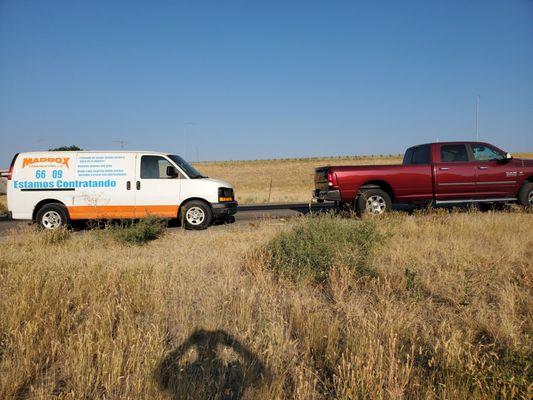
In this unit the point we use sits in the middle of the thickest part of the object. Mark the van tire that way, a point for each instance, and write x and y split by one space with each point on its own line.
382 202
196 215
525 196
52 216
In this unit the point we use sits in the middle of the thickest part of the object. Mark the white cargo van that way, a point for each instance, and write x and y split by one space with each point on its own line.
53 188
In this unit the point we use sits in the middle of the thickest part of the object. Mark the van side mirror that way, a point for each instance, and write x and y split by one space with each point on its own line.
172 171
508 156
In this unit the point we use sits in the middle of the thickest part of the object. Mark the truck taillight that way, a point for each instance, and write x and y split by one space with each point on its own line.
332 179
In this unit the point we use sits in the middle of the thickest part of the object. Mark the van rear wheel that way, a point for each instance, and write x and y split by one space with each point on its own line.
196 215
52 216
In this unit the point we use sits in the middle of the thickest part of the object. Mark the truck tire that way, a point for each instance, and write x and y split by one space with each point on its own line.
52 216
373 202
196 215
525 196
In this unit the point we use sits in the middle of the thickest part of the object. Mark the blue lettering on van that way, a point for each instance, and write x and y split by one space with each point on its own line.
64 184
33 185
86 184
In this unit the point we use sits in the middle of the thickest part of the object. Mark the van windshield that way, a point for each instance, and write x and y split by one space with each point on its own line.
192 172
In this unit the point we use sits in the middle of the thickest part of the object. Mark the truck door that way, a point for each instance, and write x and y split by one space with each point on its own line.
496 177
103 186
455 173
156 193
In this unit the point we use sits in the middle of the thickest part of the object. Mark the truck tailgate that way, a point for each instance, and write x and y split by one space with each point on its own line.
321 178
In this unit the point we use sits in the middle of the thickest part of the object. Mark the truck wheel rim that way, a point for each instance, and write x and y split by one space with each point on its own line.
195 215
376 204
530 198
51 220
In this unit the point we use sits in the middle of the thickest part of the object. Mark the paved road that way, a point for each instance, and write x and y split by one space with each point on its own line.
243 216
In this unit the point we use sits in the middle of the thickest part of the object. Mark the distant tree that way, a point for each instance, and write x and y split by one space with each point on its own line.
66 148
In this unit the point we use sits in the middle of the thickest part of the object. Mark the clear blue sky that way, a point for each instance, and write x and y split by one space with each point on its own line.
264 79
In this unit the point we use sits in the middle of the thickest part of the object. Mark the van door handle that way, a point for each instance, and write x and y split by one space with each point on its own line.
138 185
128 185
482 167
444 168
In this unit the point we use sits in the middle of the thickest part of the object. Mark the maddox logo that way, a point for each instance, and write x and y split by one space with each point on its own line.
42 160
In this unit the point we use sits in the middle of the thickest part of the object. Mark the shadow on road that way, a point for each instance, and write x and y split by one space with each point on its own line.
211 365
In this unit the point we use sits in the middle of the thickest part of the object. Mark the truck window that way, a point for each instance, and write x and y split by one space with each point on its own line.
485 153
407 156
453 153
417 155
420 155
154 167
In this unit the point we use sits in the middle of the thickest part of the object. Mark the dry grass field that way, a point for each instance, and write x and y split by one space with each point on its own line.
423 306
292 179
3 203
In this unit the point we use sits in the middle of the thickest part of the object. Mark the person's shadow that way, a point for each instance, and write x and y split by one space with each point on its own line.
210 365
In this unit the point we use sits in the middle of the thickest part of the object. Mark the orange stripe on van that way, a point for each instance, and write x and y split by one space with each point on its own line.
111 212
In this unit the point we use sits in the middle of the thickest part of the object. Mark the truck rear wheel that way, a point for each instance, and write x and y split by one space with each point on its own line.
196 215
373 202
525 196
52 216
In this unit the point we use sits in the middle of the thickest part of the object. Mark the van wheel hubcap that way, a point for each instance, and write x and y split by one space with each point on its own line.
195 215
51 220
376 204
530 198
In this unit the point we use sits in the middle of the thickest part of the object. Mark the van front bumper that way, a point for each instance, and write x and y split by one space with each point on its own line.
221 210
328 195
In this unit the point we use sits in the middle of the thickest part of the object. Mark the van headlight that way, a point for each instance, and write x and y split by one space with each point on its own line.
225 195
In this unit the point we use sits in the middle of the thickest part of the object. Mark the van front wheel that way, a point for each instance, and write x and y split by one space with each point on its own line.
52 216
196 215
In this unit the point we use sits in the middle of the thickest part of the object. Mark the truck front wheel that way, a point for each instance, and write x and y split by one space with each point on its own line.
373 201
525 196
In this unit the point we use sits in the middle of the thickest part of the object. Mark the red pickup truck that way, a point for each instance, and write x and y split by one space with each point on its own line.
440 173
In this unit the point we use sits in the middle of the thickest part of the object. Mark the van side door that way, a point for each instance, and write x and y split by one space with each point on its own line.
455 174
156 193
104 188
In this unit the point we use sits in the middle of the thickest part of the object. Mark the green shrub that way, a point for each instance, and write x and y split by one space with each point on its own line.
318 244
138 232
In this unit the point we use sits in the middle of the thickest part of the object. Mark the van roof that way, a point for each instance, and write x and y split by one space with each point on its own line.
97 151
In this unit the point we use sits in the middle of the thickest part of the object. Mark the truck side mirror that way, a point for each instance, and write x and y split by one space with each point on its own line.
508 156
172 171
